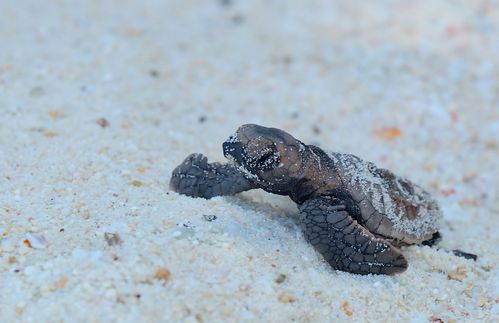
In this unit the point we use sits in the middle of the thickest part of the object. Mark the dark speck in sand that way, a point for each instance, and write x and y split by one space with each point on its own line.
226 3
103 123
286 59
209 217
238 19
36 92
112 239
280 279
154 73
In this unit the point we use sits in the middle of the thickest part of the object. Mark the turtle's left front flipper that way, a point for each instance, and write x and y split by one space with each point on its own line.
197 178
345 244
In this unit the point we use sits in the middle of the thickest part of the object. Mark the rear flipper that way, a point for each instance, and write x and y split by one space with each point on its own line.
197 178
465 255
344 243
437 237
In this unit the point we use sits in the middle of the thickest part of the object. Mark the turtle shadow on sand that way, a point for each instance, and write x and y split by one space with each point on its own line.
276 215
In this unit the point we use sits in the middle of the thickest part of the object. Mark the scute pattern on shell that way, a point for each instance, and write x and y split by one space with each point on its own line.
410 208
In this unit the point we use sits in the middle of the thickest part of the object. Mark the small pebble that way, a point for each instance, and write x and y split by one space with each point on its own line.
36 241
346 308
63 280
244 288
280 279
103 123
387 133
286 298
162 274
209 217
49 134
112 239
85 214
55 114
136 183
27 243
186 224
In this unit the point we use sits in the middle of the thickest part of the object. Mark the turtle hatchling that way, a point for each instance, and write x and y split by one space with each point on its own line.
355 214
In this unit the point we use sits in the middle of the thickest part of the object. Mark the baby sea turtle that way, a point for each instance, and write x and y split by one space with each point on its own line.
354 213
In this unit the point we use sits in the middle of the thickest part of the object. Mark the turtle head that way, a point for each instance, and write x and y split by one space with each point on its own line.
268 156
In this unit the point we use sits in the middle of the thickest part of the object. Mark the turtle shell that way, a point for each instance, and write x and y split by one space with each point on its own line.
390 206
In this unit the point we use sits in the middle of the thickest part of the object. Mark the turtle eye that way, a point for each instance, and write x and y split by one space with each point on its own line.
267 160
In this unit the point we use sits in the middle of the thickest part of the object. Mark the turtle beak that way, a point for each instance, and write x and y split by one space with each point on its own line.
233 149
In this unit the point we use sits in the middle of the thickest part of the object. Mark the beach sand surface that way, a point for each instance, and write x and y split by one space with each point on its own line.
99 101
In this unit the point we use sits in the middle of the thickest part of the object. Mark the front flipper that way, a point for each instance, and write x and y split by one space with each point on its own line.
198 178
345 244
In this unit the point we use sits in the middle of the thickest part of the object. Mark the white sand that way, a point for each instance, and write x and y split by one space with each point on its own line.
410 85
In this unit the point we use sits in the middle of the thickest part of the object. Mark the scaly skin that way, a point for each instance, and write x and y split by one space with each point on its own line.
344 243
197 178
340 215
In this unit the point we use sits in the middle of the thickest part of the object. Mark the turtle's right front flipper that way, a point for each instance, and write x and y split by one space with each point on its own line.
197 178
345 244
